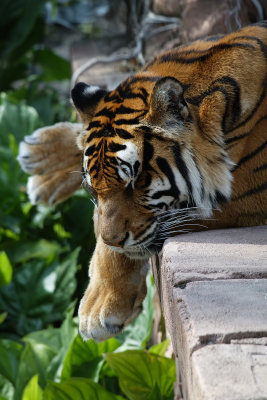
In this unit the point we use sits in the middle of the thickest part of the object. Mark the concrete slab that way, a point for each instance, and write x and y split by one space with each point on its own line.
227 371
213 287
213 312
220 311
217 254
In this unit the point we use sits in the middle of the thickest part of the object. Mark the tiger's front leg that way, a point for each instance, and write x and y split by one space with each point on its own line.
114 295
53 158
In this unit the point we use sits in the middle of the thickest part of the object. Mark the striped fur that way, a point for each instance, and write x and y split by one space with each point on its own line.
187 131
164 151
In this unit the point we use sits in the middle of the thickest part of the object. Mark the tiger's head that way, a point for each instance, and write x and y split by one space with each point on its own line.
151 156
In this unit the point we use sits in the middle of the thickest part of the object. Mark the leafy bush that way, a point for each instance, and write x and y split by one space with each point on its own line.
44 253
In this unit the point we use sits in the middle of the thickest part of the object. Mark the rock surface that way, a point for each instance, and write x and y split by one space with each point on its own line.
213 288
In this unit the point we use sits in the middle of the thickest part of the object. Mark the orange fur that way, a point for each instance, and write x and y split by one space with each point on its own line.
219 121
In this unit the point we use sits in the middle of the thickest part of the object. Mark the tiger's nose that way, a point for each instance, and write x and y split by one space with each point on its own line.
116 241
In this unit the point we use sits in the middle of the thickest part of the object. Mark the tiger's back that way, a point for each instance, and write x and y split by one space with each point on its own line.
243 73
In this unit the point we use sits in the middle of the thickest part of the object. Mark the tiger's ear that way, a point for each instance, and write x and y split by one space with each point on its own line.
168 109
85 99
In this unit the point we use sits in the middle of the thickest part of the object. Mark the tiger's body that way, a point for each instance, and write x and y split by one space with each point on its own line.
181 141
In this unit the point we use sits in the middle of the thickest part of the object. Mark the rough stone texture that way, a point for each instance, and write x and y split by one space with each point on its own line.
232 372
107 76
221 254
169 8
209 17
213 288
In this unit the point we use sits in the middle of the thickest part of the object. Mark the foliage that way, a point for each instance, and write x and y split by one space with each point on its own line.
44 252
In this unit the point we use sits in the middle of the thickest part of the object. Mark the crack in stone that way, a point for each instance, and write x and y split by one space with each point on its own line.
226 339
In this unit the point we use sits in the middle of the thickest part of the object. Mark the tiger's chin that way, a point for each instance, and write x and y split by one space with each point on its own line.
138 253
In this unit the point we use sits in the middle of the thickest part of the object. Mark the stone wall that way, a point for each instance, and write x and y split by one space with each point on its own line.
213 289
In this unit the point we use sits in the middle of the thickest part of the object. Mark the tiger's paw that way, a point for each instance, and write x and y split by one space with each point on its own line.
51 155
114 296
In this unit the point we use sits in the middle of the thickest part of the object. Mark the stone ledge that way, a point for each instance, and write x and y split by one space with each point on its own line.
228 371
213 289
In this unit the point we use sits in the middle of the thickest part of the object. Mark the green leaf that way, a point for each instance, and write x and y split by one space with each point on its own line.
5 269
55 342
77 389
137 334
85 359
33 391
139 372
18 119
156 395
51 290
27 250
160 348
7 389
54 67
22 20
44 353
9 361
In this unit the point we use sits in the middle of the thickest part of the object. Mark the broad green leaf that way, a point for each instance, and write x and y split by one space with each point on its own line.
51 288
27 250
44 353
48 59
137 334
5 269
77 389
139 372
18 119
160 348
10 357
33 361
156 395
85 358
32 391
22 20
7 389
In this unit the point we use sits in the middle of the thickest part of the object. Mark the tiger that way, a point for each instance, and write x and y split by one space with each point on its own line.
178 145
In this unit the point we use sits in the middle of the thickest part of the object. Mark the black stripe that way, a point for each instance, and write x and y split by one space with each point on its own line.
150 235
122 133
126 110
260 168
232 108
256 39
253 111
130 121
181 166
136 167
251 192
114 147
175 57
235 138
105 112
93 124
140 233
90 150
166 169
250 155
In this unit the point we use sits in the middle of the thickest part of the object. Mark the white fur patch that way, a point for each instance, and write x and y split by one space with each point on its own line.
88 179
130 156
89 90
